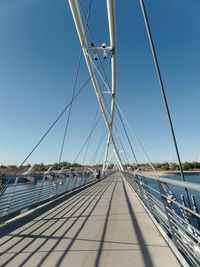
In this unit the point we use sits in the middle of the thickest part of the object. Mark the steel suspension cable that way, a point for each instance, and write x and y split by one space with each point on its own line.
104 72
107 108
127 136
132 150
88 143
120 141
57 119
127 139
70 107
106 81
136 138
102 153
50 128
75 82
91 132
157 67
102 136
107 85
124 151
132 131
92 38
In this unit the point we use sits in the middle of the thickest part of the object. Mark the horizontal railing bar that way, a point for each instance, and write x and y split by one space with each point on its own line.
178 218
183 207
184 235
151 188
22 197
188 185
18 202
27 189
161 207
188 254
187 248
175 222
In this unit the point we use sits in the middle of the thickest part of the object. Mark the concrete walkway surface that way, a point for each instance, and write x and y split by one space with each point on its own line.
103 225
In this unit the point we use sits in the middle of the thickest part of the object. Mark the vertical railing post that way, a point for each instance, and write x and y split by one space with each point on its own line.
82 176
146 188
136 186
75 182
92 178
41 188
67 183
84 179
57 184
12 196
166 207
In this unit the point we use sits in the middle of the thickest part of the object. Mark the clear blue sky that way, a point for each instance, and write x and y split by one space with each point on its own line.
39 49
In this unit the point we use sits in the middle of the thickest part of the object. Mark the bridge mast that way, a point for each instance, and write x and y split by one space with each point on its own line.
111 22
90 65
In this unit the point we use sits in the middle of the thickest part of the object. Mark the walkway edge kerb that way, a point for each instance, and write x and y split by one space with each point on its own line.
171 245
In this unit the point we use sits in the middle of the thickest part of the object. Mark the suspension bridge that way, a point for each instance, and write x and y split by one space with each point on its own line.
121 218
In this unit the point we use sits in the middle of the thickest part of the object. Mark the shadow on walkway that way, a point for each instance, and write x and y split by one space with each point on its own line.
97 261
15 224
146 256
81 199
80 206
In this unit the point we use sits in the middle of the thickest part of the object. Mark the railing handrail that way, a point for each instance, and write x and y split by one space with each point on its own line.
16 200
179 224
188 185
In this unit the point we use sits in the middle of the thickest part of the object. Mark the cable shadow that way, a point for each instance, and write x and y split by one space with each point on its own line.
146 256
93 196
12 226
97 261
84 239
96 189
30 217
59 263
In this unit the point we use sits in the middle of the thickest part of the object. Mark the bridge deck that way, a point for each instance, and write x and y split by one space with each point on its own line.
104 225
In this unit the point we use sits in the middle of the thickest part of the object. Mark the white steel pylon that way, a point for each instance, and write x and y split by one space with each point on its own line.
86 50
111 23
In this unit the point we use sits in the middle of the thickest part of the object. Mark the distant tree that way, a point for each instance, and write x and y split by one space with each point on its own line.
173 166
76 165
12 167
186 166
195 165
164 166
39 167
55 166
3 166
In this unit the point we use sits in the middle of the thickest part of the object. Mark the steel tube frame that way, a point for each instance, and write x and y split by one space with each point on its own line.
83 41
111 23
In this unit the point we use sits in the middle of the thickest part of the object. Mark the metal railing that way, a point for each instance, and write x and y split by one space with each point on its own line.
164 199
19 197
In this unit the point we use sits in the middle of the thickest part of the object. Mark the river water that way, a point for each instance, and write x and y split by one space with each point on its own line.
177 191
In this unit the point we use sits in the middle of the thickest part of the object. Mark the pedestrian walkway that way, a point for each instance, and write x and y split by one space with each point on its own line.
104 225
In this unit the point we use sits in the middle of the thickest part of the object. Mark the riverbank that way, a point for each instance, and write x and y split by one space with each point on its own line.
170 173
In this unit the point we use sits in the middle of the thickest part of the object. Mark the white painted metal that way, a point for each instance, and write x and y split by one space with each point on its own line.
81 34
100 48
111 22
